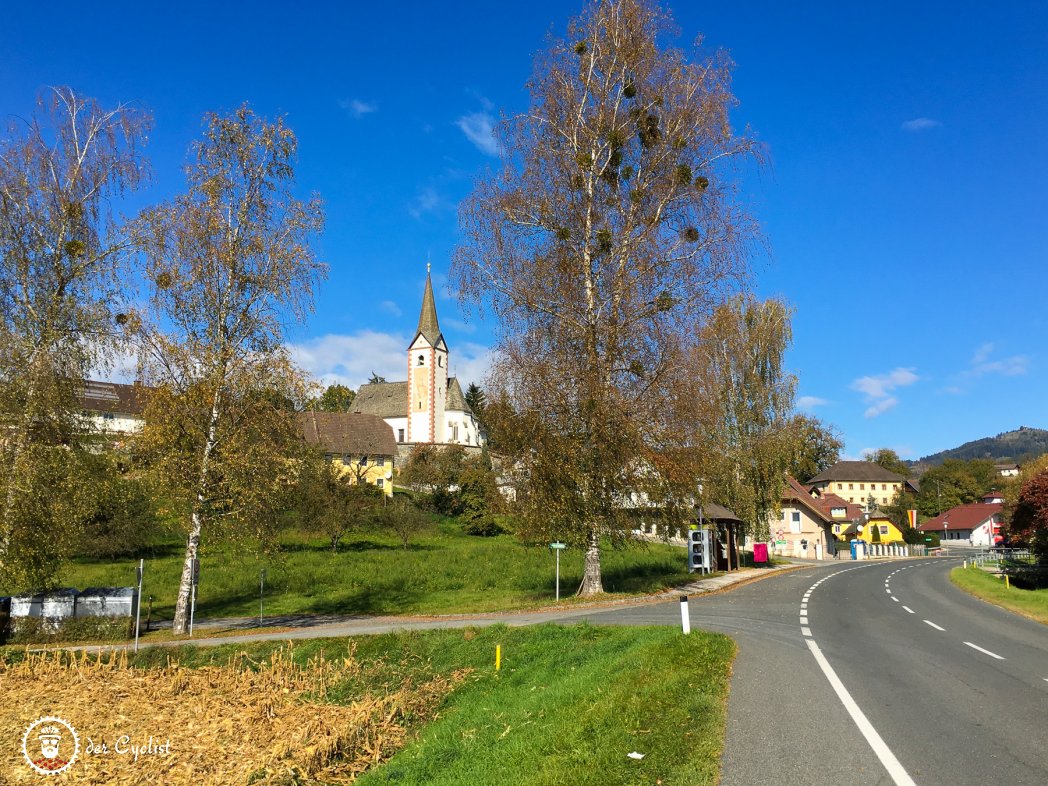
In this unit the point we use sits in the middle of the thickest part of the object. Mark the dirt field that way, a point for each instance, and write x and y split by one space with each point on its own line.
245 722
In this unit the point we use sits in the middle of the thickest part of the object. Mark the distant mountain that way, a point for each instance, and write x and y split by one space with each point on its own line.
1011 446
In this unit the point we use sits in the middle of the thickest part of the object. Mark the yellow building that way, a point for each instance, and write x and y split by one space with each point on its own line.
878 529
363 445
859 482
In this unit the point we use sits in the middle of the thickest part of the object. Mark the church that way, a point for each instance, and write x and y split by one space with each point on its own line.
429 407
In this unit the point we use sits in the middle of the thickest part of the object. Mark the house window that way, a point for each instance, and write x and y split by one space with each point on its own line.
380 461
796 516
422 360
795 521
862 487
884 529
884 487
840 487
851 487
364 460
440 361
379 482
400 435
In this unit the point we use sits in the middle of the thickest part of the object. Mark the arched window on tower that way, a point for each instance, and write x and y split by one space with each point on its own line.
440 361
422 360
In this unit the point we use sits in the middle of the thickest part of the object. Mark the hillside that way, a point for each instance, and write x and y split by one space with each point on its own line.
1011 446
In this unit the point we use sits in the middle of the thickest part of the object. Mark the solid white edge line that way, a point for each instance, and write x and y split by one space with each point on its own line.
891 764
929 622
909 610
984 652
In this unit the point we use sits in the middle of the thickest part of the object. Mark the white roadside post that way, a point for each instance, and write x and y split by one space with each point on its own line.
685 619
261 587
557 548
138 602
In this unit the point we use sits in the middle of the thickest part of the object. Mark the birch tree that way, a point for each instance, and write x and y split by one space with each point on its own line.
612 228
737 399
64 253
230 265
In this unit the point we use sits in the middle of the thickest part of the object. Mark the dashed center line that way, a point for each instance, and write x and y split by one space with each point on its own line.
984 652
929 622
909 610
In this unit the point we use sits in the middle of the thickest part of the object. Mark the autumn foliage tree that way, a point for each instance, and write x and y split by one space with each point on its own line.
611 229
229 263
64 255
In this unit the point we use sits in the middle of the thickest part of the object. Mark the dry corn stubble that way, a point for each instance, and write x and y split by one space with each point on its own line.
262 722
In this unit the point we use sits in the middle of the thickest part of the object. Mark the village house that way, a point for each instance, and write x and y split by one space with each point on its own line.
978 523
362 445
859 482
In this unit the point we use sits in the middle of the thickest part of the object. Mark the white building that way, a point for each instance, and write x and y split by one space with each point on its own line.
112 408
429 407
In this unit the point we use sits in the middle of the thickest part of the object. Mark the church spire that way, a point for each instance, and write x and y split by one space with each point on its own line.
427 320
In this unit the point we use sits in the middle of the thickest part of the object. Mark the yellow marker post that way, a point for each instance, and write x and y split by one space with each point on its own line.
1007 583
498 657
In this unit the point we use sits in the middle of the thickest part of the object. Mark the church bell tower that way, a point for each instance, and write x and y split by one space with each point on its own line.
427 375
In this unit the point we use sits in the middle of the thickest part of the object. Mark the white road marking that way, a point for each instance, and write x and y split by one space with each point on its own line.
891 764
806 631
909 609
984 652
888 591
929 622
804 620
895 599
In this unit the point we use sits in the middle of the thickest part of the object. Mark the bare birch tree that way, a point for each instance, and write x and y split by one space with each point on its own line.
612 228
63 252
229 264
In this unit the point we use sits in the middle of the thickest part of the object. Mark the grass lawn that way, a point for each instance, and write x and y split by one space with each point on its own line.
567 706
444 571
1029 603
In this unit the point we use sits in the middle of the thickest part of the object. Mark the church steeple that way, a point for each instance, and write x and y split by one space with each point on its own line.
427 319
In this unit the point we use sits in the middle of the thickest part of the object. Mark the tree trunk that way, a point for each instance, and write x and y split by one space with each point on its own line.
180 625
591 580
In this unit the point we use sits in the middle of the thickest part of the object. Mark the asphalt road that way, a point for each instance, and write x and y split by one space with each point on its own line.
848 673
954 690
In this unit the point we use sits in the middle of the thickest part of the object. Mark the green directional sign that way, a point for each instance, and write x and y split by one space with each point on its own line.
558 545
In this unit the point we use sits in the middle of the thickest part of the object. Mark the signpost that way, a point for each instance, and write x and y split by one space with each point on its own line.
557 548
261 587
138 604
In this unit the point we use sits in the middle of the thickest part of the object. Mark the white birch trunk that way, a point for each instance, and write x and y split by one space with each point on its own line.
180 624
592 583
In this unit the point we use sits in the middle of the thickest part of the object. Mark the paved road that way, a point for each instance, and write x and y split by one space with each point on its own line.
954 690
851 673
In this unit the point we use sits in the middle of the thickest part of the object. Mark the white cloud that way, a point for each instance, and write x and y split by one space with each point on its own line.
881 407
919 124
470 363
390 308
878 389
428 201
1013 366
982 352
357 108
479 128
808 403
351 359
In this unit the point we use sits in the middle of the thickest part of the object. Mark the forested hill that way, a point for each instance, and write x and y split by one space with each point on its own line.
1011 446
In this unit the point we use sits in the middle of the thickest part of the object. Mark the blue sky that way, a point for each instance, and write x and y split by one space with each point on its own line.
904 207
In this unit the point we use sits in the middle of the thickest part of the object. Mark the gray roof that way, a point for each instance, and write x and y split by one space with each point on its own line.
456 400
385 399
390 399
348 432
113 397
711 511
856 471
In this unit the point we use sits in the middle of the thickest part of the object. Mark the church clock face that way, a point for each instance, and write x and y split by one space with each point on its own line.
420 393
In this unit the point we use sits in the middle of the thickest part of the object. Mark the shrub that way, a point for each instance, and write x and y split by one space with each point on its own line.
40 630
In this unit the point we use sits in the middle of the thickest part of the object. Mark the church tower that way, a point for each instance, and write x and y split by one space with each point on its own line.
427 375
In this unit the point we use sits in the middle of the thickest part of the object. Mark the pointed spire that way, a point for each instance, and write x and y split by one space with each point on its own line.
427 320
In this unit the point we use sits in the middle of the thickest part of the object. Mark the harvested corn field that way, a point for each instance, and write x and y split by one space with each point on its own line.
267 722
